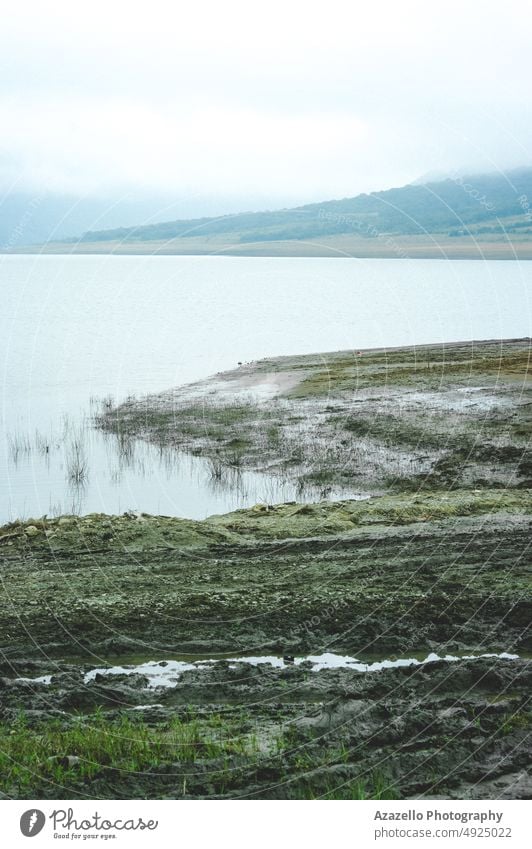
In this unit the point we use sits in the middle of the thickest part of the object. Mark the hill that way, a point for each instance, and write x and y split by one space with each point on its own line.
479 215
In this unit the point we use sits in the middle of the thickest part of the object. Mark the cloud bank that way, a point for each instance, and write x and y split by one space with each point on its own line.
286 102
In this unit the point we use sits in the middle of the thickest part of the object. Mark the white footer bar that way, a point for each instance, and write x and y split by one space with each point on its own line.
263 824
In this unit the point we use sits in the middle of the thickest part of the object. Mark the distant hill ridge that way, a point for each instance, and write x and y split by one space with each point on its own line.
454 206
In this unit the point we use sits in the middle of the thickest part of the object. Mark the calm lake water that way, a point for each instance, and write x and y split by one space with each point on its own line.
77 328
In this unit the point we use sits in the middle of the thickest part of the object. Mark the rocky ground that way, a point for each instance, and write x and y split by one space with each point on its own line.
436 562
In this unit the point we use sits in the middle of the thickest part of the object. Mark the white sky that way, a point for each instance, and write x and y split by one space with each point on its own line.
282 101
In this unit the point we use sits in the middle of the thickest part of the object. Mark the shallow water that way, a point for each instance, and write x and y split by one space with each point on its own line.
151 480
79 327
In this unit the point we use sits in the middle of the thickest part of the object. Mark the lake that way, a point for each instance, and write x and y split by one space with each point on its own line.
76 329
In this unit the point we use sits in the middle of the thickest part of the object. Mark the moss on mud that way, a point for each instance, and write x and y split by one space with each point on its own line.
392 572
130 532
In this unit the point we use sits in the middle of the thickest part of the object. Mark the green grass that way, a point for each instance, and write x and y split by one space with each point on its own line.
423 367
40 759
374 787
520 720
431 432
33 756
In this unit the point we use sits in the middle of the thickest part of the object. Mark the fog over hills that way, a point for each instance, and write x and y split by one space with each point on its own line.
454 205
492 206
40 216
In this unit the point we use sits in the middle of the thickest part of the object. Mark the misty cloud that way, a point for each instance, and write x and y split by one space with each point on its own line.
284 102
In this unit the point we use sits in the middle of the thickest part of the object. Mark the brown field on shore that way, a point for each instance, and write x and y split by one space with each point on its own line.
433 246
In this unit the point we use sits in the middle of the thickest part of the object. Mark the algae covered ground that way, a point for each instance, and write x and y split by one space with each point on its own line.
261 610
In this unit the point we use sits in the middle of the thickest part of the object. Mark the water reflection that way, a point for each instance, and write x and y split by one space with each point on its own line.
78 469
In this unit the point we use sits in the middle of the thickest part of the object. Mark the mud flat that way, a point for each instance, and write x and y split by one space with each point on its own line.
394 573
427 418
231 730
344 649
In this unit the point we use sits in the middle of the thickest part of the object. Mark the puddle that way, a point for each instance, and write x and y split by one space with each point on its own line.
166 673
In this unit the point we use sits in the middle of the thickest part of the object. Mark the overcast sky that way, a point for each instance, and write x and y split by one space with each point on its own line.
260 104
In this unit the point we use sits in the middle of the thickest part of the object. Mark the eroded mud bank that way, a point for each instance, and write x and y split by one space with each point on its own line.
437 572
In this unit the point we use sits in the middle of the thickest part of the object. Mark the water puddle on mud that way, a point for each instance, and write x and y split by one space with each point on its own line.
166 673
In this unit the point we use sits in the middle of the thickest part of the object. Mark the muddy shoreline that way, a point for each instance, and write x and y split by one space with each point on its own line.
434 417
435 561
355 576
360 577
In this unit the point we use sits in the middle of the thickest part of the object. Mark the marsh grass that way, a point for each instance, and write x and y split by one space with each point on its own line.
70 437
375 787
18 444
216 468
77 463
45 443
